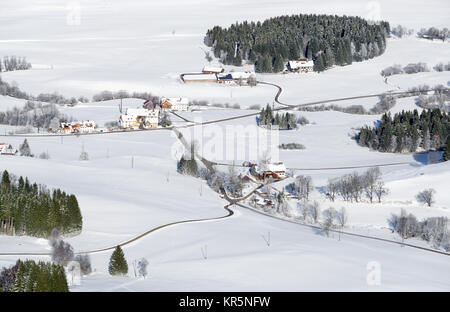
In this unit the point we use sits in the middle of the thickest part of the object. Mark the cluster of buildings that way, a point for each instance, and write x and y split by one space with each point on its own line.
217 75
7 149
81 127
150 115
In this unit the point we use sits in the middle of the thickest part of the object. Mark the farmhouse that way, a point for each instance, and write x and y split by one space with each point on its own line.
7 149
135 118
212 70
301 65
274 170
78 127
175 104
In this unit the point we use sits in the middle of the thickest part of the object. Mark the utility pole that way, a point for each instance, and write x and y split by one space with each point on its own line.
132 161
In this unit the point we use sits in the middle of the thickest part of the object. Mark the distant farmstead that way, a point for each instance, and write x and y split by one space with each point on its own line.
301 65
136 118
175 104
88 126
7 149
235 78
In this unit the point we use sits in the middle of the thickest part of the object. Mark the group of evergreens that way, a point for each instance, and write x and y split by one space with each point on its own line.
35 210
325 39
268 119
29 276
407 131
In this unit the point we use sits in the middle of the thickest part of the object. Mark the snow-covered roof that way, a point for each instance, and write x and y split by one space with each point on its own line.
274 167
200 77
243 75
213 69
175 101
137 111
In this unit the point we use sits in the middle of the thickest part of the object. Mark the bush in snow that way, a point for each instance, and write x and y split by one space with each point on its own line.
291 146
392 70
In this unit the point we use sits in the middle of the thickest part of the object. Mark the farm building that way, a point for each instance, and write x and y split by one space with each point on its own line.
301 65
199 77
78 127
175 104
135 118
7 149
274 170
235 77
212 70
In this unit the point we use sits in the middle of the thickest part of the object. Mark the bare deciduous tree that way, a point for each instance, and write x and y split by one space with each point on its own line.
380 190
426 197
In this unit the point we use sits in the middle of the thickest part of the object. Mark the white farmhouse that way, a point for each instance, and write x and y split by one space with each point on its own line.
7 149
276 170
134 118
301 65
175 104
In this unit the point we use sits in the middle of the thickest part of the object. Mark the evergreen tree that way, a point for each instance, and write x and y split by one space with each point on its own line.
278 64
117 263
446 154
25 149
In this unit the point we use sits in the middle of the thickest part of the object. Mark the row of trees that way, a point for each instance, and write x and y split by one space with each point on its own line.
326 39
34 114
13 90
434 230
434 33
10 63
35 210
385 103
407 131
123 94
412 68
354 187
285 121
401 31
31 276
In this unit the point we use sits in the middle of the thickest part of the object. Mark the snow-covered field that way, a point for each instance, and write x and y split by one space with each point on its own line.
130 183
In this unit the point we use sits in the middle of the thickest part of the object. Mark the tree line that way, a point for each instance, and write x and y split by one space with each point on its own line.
31 276
407 131
434 33
10 63
434 230
34 114
36 211
354 187
326 39
13 90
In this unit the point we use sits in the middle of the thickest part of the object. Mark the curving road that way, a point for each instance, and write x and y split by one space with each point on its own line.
210 164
